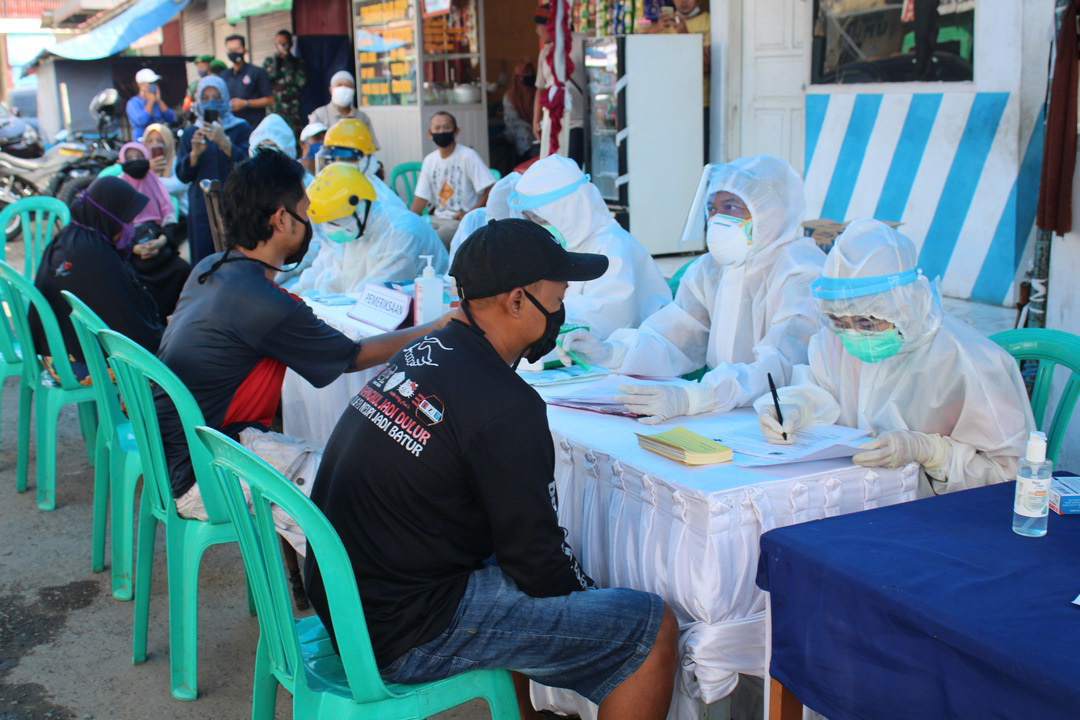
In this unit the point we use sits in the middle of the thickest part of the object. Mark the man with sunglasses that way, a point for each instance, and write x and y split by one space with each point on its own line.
889 361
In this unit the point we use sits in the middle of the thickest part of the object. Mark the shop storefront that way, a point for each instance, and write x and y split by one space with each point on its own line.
921 112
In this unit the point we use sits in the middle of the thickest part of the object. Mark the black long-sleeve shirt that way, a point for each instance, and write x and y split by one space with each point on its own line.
442 460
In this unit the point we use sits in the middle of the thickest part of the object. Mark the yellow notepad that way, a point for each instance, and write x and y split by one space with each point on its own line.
685 446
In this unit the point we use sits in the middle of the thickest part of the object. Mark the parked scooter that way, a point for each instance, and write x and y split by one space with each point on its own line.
65 168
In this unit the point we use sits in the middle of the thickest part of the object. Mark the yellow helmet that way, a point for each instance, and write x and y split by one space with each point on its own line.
336 192
350 133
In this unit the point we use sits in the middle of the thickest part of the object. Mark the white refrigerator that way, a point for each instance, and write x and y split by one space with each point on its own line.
646 117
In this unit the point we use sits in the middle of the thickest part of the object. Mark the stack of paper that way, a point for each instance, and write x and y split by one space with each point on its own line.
562 375
685 446
596 396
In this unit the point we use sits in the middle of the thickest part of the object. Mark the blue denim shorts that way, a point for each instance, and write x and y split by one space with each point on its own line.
588 641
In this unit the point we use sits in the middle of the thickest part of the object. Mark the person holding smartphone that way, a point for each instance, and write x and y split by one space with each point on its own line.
207 152
147 107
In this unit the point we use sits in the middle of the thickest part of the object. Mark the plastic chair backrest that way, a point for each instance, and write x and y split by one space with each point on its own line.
87 324
408 173
137 371
113 170
1051 348
495 174
261 549
39 216
20 295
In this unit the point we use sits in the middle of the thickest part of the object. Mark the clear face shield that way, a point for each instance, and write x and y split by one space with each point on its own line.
329 154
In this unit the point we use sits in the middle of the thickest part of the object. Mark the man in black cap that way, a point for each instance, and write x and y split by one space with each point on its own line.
445 461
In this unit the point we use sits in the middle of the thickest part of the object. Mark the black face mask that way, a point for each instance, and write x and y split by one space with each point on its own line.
529 80
236 57
136 168
546 342
297 256
443 139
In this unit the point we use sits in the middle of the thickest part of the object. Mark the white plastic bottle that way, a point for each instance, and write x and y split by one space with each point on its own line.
1032 503
429 295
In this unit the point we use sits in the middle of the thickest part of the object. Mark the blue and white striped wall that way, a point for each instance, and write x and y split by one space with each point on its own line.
952 167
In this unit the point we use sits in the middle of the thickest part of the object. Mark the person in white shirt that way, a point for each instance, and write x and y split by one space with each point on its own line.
453 178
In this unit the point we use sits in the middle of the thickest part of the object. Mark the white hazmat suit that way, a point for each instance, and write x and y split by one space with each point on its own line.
389 250
632 289
743 315
948 399
497 208
274 132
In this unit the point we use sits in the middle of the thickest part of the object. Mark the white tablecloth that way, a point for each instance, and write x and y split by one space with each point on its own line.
638 520
311 413
690 534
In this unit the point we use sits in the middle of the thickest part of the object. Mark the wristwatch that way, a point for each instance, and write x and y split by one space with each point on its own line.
246 103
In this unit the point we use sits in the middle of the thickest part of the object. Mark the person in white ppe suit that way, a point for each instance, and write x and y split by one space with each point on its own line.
274 133
368 241
743 309
497 208
556 194
931 389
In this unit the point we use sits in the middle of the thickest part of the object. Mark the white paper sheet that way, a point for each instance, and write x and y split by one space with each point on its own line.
813 442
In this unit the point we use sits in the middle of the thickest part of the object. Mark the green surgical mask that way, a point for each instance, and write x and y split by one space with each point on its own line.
872 348
340 236
555 233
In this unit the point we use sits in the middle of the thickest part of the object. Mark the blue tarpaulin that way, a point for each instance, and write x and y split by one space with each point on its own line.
118 34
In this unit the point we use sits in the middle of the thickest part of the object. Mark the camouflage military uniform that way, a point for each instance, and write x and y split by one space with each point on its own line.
287 76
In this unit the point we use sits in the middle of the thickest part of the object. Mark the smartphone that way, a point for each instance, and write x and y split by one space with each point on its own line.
210 115
667 10
157 151
152 89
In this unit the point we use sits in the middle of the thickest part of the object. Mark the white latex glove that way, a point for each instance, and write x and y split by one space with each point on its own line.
773 430
657 402
896 448
587 346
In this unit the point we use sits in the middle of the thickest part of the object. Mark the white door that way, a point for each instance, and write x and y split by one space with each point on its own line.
776 38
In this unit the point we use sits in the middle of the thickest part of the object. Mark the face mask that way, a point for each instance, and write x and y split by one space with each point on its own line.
728 239
342 96
136 168
297 256
546 342
555 234
872 348
236 57
314 148
443 139
344 230
203 73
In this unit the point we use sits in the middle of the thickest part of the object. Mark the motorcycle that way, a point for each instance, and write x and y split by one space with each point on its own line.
67 167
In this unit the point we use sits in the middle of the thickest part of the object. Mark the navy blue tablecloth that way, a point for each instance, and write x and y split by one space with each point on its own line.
928 609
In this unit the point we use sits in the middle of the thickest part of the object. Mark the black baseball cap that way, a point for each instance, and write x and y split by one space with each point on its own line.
508 254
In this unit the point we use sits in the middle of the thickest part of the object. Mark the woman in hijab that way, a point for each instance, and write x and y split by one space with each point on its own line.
159 140
517 110
208 153
89 259
155 253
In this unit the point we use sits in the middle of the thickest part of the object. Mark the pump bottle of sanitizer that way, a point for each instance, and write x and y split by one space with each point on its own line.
429 292
1032 503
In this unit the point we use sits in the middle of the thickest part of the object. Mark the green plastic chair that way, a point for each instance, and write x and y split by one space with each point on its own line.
38 216
11 358
1049 348
117 465
137 373
298 654
48 395
405 174
676 279
113 170
495 174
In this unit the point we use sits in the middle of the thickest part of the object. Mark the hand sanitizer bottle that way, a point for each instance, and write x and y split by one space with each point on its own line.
1032 503
429 295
